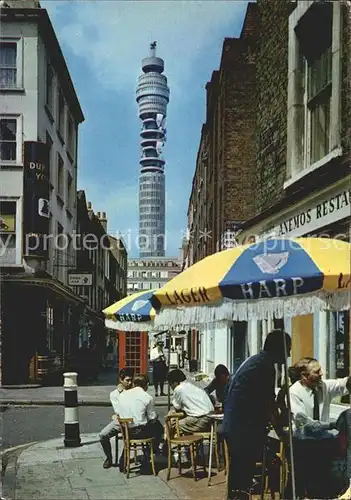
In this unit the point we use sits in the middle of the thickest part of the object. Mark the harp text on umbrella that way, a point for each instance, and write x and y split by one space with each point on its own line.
265 289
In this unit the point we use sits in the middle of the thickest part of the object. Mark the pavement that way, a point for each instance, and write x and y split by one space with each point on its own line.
87 395
47 470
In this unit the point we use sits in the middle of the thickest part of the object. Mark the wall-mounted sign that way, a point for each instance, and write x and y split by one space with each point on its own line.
305 218
36 193
80 279
7 222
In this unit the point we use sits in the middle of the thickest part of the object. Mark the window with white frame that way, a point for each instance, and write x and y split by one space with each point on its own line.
8 63
50 87
314 85
10 139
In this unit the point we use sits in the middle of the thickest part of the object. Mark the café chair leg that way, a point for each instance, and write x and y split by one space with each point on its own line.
152 460
180 460
203 455
169 462
218 466
127 451
193 461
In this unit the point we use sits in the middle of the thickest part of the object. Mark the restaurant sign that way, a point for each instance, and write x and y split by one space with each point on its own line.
314 215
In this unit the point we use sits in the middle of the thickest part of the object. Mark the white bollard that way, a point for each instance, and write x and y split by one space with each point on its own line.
72 434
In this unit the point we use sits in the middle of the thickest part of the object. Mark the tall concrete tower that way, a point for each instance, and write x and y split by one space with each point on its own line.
152 96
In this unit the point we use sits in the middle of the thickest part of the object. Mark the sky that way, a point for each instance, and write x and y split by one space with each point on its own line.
103 42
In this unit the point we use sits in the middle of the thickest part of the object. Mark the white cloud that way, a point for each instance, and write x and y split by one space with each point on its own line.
113 36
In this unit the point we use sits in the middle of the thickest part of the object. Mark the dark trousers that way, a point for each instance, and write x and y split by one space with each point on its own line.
244 451
313 468
153 429
159 374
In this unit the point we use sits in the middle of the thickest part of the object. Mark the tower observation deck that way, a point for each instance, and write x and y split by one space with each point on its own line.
152 96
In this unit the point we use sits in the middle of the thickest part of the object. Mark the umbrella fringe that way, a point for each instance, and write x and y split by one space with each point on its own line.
232 310
129 326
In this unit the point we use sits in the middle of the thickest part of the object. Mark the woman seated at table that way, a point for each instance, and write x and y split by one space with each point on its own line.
193 401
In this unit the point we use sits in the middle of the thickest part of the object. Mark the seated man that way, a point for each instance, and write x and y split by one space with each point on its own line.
219 383
139 405
310 406
112 429
311 396
191 400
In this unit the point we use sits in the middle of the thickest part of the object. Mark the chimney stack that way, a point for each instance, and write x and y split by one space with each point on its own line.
103 220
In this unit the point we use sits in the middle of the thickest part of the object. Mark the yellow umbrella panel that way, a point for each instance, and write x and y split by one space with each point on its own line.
272 278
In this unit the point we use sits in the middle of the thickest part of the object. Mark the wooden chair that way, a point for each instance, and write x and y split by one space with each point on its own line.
144 443
206 436
179 442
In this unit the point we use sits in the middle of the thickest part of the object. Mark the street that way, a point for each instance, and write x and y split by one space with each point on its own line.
37 423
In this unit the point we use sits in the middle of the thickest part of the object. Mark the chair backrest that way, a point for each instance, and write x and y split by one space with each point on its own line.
123 423
170 431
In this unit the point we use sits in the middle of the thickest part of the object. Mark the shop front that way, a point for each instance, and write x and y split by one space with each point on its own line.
40 330
327 214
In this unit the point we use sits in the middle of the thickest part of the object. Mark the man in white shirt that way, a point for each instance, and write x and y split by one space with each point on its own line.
139 405
311 396
159 367
313 444
112 429
193 401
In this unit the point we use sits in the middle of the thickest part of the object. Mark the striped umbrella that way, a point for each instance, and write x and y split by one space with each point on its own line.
273 278
133 313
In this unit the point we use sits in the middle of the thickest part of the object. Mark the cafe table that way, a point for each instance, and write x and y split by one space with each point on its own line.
215 418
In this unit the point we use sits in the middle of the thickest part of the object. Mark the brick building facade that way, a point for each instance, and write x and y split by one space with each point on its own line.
222 196
303 152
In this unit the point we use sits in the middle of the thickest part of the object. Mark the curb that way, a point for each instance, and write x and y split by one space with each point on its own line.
9 459
43 402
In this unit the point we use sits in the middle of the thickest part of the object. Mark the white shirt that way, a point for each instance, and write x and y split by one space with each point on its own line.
302 400
155 354
138 405
114 396
191 399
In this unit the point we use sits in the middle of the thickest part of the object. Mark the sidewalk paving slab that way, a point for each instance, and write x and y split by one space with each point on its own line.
94 395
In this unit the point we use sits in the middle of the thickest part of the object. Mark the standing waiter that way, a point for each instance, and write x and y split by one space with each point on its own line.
248 408
159 365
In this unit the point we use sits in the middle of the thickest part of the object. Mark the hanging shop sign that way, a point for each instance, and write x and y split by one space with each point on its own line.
36 194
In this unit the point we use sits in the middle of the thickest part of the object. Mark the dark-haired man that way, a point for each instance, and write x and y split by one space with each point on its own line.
112 429
219 383
139 405
193 401
248 408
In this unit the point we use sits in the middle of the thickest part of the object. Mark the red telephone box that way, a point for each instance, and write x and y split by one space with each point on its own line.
133 351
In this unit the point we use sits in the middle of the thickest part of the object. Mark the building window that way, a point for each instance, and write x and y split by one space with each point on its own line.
60 176
8 64
50 87
314 87
61 115
8 232
319 80
8 139
71 137
49 144
69 202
